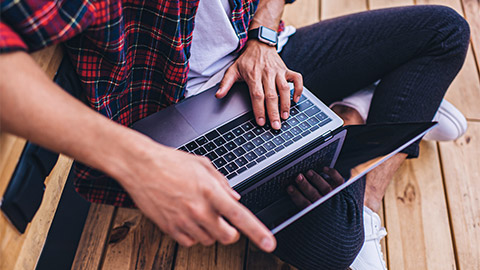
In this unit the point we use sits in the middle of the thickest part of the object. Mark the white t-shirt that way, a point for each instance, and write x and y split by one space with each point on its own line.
214 42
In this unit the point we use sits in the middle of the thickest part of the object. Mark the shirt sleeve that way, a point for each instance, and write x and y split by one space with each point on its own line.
32 25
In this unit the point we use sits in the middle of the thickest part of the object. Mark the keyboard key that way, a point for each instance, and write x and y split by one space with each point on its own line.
239 151
321 116
223 171
296 131
292 121
201 141
230 176
240 140
241 170
293 111
258 130
250 156
269 146
304 105
304 125
229 157
285 126
287 135
219 162
328 120
183 148
306 133
260 151
312 110
313 121
191 146
275 131
269 154
235 123
238 131
229 136
241 161
249 136
267 136
302 117
312 129
247 126
200 151
260 159
278 140
258 141
231 167
288 143
251 164
248 146
297 138
230 145
302 98
210 146
212 156
212 135
278 149
221 151
219 141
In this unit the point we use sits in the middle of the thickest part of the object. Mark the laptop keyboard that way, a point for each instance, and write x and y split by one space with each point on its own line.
241 144
274 189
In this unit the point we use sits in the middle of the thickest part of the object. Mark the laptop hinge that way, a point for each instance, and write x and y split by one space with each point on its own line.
327 136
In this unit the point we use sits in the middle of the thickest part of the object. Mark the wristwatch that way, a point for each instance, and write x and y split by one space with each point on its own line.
265 35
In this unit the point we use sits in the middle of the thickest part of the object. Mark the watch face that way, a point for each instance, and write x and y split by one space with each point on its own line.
268 34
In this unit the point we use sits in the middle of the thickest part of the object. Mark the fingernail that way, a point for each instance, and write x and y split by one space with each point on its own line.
290 189
297 98
309 173
236 195
261 121
300 178
326 169
285 115
276 124
267 244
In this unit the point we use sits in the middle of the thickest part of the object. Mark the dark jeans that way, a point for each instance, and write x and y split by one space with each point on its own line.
416 52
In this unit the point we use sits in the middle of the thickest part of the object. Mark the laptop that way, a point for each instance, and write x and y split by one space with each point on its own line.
258 162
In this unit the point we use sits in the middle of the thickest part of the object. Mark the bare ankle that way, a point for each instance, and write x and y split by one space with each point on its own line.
349 115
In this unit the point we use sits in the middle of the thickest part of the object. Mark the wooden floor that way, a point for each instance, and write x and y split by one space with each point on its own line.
431 211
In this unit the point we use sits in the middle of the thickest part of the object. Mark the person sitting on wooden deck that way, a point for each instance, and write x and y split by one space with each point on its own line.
134 58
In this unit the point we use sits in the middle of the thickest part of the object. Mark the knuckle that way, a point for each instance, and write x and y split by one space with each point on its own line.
271 96
257 94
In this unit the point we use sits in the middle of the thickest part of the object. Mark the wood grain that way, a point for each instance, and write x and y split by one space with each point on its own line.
94 237
302 13
331 9
136 243
416 215
472 14
21 251
461 166
376 4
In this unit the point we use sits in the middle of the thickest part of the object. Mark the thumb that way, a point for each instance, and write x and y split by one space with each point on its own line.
230 77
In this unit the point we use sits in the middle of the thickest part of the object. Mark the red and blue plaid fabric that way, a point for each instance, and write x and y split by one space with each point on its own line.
131 57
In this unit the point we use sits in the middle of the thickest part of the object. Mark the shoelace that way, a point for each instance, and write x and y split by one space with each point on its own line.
377 235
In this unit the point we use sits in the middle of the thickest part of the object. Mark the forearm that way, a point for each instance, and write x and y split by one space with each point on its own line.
269 13
33 107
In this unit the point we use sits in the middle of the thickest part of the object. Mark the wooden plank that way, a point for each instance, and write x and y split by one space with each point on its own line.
461 165
94 237
21 251
376 4
216 256
136 243
472 14
467 83
259 260
416 215
331 9
302 13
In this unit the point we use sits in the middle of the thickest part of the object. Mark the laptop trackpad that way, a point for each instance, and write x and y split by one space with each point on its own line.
179 130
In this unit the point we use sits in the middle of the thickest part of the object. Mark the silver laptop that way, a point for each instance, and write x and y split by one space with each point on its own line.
258 162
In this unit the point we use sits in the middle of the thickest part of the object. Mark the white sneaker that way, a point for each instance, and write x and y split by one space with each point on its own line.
371 256
451 122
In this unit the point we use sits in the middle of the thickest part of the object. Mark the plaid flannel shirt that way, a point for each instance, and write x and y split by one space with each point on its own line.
131 57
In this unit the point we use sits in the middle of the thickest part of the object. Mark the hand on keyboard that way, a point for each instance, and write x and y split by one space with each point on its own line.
312 186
